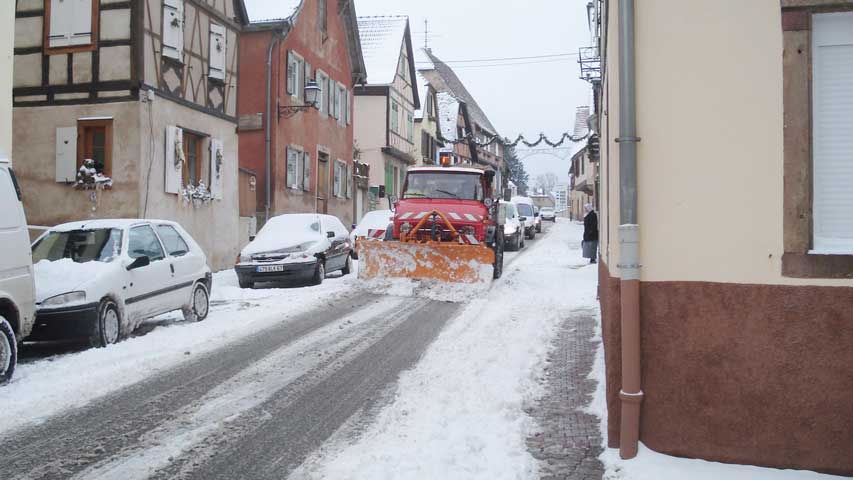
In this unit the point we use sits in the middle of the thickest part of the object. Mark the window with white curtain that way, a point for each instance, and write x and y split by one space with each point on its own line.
832 132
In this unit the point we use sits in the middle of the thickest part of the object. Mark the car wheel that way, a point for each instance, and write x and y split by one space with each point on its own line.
319 272
347 266
245 282
107 328
8 351
199 305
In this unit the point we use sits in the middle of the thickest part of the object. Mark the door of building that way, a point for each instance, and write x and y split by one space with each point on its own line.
322 182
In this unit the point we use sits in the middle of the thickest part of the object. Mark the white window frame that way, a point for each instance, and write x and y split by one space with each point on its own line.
293 170
340 106
295 75
306 171
323 83
338 185
832 143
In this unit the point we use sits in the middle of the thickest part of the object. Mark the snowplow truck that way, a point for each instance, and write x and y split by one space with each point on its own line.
447 226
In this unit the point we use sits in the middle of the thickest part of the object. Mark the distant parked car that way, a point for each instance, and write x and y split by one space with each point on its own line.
17 293
376 221
100 279
548 213
513 228
525 207
302 247
538 219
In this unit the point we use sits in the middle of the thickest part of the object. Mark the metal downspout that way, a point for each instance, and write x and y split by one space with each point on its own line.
277 36
631 394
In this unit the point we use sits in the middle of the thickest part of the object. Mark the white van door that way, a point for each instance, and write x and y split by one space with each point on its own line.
16 272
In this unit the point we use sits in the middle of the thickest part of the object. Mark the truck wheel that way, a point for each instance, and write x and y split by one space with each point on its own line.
107 328
8 351
319 272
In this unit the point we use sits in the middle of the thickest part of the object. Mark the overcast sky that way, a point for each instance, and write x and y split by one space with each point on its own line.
526 97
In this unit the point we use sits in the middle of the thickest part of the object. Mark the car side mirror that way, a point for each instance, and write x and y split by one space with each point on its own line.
251 238
139 262
330 234
536 214
522 219
353 226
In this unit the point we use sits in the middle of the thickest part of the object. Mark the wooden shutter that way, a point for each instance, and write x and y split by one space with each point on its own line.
173 29
217 168
66 154
61 21
348 180
832 61
349 107
81 22
217 52
292 74
174 159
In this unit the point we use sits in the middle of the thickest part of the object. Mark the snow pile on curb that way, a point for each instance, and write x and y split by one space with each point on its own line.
459 412
433 290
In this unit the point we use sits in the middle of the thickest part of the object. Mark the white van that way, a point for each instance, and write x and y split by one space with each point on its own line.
527 211
17 290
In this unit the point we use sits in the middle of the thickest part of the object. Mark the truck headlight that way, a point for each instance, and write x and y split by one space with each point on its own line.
65 298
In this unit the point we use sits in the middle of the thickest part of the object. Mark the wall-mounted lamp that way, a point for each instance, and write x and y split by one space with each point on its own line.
311 92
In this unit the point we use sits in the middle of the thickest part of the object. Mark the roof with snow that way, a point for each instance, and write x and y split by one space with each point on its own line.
448 112
262 11
381 41
423 87
444 79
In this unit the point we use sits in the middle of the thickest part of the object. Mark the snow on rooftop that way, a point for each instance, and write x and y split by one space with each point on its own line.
264 10
423 85
448 112
381 42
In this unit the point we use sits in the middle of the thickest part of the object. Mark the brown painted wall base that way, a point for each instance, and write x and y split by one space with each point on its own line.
753 374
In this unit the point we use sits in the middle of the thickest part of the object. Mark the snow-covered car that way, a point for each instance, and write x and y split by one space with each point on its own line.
374 222
17 302
513 228
298 246
99 279
525 207
548 213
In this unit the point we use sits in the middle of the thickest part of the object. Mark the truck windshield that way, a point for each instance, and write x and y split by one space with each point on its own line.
463 186
101 245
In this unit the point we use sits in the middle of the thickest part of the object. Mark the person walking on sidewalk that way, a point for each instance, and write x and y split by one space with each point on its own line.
590 234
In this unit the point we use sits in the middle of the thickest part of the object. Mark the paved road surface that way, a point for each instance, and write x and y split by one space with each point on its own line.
253 409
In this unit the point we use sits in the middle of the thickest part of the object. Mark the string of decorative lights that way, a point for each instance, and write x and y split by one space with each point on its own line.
520 139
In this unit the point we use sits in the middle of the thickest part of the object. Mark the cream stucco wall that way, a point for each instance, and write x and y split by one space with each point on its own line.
710 164
215 225
7 42
369 131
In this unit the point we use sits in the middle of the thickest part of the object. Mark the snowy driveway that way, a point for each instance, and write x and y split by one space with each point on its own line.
277 377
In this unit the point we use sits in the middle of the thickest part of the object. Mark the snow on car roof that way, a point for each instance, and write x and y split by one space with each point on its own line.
105 223
447 169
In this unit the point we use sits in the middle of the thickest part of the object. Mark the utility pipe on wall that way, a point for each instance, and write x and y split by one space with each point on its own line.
277 36
631 393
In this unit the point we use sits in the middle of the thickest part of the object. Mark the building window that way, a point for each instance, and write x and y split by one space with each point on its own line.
340 173
294 158
410 126
323 96
96 143
193 156
340 104
70 25
306 171
395 117
295 75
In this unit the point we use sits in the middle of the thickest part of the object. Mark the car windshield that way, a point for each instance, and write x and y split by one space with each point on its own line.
524 209
81 246
443 185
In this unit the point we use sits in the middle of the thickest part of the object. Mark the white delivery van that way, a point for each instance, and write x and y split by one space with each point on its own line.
527 212
17 290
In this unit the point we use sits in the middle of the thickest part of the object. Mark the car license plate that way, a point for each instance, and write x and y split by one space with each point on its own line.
269 268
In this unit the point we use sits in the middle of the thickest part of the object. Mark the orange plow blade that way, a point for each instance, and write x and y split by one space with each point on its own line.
440 261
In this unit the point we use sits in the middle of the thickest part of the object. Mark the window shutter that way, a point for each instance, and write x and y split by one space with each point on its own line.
306 172
217 52
217 168
173 29
348 181
81 22
66 154
349 107
61 23
174 159
307 76
832 136
324 93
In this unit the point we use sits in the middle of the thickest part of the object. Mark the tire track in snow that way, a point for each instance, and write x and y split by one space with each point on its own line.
71 442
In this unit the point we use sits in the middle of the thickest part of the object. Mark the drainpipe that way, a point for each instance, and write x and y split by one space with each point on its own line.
277 36
631 394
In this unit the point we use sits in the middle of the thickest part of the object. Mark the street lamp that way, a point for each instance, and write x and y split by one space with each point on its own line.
311 91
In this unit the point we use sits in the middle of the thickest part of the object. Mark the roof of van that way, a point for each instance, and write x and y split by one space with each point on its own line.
105 223
520 199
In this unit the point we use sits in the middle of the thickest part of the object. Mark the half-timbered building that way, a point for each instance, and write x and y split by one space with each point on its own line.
147 90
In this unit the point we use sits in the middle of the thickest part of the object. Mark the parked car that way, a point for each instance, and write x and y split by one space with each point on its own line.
17 291
513 228
99 279
538 219
377 221
525 206
302 247
548 213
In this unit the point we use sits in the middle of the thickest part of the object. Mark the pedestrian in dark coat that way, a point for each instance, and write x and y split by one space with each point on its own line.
590 234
